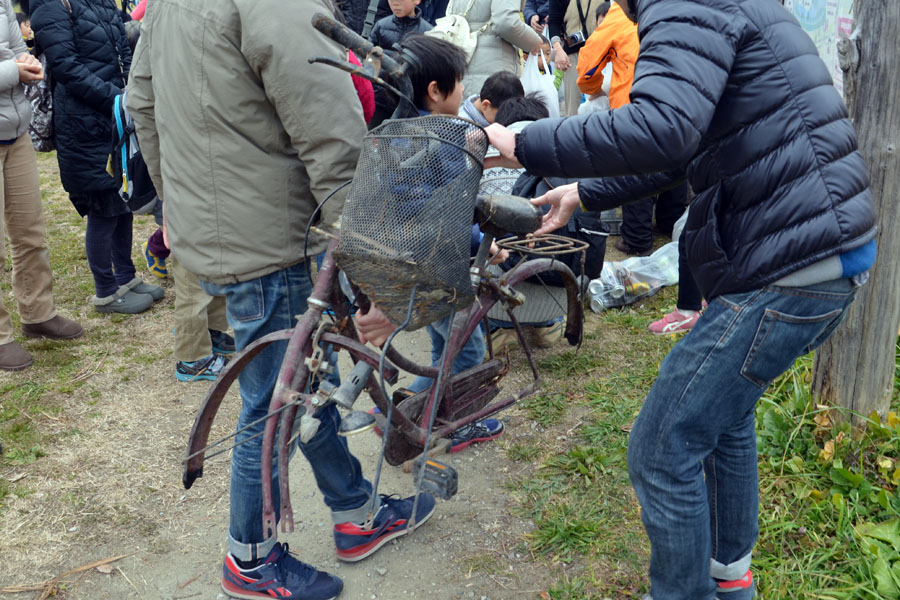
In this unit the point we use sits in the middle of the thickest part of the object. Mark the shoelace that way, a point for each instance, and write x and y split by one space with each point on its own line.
291 570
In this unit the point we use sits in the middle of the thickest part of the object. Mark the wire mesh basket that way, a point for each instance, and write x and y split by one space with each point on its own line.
407 221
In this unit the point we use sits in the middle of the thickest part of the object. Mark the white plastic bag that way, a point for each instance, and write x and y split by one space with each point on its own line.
599 104
625 282
541 83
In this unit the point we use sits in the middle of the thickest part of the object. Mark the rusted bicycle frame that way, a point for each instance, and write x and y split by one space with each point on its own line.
455 400
462 398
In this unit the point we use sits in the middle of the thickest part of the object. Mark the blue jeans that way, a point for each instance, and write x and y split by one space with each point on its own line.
692 451
256 308
471 354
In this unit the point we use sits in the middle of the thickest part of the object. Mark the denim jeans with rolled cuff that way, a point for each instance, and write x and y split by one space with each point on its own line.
471 354
255 308
692 452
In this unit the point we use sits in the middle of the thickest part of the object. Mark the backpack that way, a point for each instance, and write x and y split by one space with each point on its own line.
127 163
455 29
583 226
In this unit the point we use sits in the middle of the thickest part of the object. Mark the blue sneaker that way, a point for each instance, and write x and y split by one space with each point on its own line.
279 576
222 343
354 542
155 264
205 369
479 431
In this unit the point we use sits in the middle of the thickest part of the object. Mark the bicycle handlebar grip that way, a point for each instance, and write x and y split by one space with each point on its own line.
350 39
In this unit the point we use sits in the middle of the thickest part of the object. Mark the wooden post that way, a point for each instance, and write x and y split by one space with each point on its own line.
855 367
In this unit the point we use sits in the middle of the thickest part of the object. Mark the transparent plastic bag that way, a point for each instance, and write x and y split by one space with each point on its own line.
624 282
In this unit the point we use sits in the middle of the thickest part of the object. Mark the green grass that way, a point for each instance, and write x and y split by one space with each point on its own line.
829 502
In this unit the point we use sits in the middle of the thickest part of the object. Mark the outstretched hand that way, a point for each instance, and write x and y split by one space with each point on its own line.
563 201
504 141
373 327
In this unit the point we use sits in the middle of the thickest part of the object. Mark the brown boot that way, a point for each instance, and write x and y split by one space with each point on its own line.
13 357
57 328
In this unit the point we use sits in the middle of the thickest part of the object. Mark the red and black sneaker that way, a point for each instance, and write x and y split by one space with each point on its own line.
280 575
736 589
356 542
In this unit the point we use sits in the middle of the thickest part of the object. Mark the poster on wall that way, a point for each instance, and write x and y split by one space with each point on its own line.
826 21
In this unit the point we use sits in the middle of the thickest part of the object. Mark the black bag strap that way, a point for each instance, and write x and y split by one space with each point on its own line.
581 17
370 18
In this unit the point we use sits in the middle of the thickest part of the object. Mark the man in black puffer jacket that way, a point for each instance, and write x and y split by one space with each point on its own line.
732 95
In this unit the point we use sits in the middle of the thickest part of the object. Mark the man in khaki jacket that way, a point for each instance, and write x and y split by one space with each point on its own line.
243 139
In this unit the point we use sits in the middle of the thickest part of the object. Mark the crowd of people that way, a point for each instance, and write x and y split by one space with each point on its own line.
723 100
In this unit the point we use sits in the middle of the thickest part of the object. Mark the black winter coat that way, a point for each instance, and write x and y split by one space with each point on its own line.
89 58
391 30
354 12
733 94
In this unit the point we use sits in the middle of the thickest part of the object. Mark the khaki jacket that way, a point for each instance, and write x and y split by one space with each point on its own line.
242 136
499 44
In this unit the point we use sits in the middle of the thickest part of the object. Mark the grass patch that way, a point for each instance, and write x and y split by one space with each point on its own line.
829 501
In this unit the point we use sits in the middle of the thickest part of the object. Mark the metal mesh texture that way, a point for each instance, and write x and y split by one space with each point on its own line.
408 216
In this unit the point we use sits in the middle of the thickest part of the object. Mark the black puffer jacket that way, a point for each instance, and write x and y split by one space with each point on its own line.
355 11
89 58
390 30
734 94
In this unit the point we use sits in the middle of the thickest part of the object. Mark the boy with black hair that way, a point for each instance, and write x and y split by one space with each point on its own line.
497 89
526 108
436 69
406 20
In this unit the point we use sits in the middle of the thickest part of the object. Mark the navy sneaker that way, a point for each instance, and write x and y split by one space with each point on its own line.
355 542
479 431
222 343
279 576
205 369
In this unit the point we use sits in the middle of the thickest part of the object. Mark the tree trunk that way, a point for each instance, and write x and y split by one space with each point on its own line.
855 367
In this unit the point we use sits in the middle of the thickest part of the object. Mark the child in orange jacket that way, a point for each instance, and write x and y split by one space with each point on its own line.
616 40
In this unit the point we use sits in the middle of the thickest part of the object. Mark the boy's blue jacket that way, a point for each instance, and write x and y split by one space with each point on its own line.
541 8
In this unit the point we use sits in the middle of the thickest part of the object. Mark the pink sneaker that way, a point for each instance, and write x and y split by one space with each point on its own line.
674 322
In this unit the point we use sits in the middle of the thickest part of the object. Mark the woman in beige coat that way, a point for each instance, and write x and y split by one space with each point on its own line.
503 33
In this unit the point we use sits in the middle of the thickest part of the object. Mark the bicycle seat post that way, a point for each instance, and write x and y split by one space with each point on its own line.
481 258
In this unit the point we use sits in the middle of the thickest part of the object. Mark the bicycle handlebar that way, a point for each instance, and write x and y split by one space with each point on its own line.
350 39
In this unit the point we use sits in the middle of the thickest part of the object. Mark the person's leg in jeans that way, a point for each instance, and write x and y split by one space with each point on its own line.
637 226
743 342
470 355
256 308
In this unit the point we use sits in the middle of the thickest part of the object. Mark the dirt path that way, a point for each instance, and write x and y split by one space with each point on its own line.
110 485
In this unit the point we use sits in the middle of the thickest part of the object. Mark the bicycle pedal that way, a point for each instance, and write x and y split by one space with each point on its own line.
440 480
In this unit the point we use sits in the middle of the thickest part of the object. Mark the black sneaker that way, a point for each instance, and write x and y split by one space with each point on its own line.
279 576
479 431
204 369
222 343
